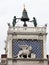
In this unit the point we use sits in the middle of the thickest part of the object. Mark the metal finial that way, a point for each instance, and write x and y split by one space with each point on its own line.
24 6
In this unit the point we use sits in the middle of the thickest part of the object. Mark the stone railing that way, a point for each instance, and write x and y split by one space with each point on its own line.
27 62
27 29
14 61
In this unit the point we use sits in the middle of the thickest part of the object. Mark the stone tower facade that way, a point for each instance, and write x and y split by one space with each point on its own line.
26 45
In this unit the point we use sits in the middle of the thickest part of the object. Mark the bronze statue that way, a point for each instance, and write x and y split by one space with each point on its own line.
34 21
14 21
9 24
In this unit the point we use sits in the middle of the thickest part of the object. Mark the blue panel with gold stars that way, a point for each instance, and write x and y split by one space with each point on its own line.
37 46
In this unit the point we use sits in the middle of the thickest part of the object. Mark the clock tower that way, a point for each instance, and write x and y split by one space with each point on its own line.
27 43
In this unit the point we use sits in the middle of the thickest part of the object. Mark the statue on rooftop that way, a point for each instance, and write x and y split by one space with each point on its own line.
34 21
14 21
8 24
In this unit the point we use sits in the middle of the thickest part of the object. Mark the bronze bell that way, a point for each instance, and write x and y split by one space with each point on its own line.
24 17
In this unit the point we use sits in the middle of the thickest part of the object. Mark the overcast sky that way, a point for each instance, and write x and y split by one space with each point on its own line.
11 8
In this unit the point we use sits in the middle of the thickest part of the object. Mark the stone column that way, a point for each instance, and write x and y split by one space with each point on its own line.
9 54
44 46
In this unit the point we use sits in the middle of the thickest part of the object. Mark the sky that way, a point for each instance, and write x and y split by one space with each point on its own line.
11 8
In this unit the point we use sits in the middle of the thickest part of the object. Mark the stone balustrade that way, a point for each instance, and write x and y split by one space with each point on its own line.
27 30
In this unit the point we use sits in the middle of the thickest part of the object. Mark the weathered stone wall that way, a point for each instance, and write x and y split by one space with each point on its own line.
27 62
38 33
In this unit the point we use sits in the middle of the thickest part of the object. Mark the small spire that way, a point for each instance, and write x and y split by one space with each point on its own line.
24 6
